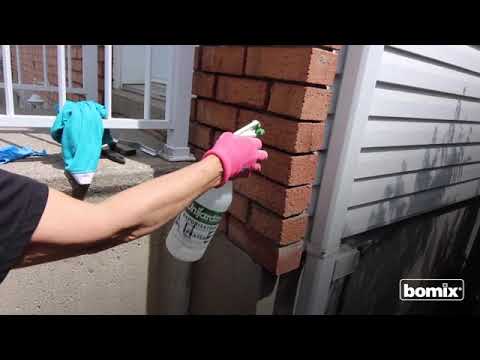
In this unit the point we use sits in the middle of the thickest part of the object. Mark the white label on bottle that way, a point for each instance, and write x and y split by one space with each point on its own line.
197 225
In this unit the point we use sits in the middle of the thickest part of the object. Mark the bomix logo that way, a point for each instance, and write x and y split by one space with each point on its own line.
432 289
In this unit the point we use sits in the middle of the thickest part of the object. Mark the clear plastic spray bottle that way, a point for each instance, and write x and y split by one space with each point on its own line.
195 227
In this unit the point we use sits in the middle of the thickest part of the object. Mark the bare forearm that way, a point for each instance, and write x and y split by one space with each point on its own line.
70 227
144 208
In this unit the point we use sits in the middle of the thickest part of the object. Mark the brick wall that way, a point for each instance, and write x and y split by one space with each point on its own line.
31 63
288 90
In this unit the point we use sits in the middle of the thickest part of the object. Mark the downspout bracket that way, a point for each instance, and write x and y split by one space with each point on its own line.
346 259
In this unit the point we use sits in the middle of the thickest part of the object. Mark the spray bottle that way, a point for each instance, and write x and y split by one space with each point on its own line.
195 227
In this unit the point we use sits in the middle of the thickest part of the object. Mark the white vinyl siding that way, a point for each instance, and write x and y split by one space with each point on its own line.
421 146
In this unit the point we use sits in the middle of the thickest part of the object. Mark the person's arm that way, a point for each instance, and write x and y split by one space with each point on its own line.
69 227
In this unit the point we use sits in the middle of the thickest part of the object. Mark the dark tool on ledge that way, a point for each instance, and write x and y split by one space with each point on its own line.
137 146
108 153
116 152
123 149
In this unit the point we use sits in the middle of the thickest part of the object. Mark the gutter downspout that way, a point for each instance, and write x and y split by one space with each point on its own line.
351 117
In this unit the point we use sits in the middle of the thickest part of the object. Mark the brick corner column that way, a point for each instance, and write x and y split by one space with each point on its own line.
288 89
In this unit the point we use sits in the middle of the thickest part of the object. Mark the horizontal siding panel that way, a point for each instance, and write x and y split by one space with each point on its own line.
371 190
371 216
396 103
403 70
462 56
384 133
377 163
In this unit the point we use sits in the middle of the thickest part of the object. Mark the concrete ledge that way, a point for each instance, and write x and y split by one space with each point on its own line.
136 278
110 177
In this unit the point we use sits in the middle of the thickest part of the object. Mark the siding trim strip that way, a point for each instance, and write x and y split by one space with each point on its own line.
354 102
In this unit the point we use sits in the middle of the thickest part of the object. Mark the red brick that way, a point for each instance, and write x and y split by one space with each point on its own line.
200 135
223 227
289 135
76 52
280 199
74 97
197 152
289 169
76 76
52 79
239 207
203 84
216 135
51 50
217 115
193 110
336 47
223 59
304 64
76 65
276 228
241 91
196 58
319 141
277 260
301 102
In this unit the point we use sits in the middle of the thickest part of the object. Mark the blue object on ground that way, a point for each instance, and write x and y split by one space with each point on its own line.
12 153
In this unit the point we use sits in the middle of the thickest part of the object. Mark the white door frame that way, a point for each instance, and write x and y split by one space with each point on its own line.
360 75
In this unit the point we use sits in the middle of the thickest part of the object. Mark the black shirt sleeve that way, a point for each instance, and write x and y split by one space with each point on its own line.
22 202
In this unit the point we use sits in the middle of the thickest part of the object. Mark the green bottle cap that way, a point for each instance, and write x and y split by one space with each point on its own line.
259 131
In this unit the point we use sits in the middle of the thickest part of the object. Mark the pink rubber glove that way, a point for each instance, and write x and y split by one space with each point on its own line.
237 154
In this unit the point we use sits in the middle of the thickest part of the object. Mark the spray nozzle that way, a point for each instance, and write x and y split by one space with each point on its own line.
253 129
259 131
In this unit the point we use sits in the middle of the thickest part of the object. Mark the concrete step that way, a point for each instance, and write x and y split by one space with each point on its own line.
130 279
110 177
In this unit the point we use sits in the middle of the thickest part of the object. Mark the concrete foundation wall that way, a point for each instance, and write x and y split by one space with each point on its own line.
143 278
227 281
132 279
435 245
112 282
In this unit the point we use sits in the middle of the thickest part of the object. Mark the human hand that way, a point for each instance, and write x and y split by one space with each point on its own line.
239 155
